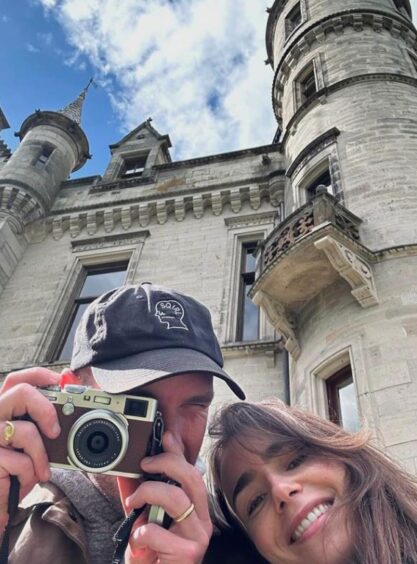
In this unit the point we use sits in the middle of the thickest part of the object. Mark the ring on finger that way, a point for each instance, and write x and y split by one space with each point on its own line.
8 432
185 514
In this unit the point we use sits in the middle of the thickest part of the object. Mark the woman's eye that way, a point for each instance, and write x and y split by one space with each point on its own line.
255 503
297 461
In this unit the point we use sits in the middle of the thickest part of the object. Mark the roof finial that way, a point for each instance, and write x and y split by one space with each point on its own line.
73 109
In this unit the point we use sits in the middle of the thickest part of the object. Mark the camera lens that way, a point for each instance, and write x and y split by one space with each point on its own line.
98 441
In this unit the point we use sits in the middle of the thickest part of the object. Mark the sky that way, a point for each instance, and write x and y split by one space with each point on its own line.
195 66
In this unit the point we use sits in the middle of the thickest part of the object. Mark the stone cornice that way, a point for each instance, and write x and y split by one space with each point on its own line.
253 347
317 96
321 23
251 219
274 147
109 240
141 213
82 180
358 19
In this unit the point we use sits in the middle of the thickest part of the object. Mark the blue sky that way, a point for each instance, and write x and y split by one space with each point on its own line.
195 66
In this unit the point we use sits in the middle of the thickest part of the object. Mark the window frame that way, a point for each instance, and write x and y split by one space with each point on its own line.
43 156
245 278
77 300
290 25
242 230
333 385
85 253
137 171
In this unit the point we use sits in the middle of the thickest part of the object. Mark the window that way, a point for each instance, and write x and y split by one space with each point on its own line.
42 159
248 316
293 20
134 166
97 281
308 85
323 179
341 398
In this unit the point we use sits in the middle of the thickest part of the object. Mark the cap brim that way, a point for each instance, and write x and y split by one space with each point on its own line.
124 374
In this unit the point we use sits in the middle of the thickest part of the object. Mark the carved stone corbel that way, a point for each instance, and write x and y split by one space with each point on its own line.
354 269
281 320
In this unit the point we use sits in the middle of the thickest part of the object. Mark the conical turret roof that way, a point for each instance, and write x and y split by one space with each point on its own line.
74 109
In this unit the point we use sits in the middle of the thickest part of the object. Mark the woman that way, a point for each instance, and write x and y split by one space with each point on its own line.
307 492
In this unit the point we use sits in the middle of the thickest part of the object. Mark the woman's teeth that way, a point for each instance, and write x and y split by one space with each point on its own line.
309 519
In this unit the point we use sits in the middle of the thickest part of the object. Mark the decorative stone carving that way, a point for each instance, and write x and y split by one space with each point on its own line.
216 203
255 197
198 206
74 226
235 200
355 270
108 221
143 214
91 223
161 212
179 209
281 320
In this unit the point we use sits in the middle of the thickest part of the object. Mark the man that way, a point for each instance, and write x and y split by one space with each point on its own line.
145 340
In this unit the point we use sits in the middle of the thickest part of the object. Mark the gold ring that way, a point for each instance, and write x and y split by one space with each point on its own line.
8 432
184 515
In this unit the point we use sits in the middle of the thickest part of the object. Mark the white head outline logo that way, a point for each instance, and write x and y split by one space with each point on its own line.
171 313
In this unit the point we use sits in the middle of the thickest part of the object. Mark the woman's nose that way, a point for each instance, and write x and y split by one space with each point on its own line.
283 489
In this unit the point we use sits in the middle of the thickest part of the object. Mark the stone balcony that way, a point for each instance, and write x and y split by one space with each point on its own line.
303 256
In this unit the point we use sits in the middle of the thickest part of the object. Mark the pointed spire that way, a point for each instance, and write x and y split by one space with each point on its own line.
74 109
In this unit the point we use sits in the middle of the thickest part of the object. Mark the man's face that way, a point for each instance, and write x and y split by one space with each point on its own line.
184 401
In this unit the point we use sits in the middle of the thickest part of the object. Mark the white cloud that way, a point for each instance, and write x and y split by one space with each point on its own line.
31 48
195 66
4 18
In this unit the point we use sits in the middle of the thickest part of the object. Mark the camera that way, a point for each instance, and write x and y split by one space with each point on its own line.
101 432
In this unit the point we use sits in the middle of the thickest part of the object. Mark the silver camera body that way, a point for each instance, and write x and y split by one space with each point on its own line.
101 432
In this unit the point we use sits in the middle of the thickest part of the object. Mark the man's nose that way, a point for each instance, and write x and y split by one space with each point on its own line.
283 489
173 424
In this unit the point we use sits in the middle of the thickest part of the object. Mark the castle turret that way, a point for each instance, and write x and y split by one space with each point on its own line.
52 146
337 277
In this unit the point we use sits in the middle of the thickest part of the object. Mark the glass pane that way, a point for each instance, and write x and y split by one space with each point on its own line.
349 408
250 263
250 320
66 351
98 283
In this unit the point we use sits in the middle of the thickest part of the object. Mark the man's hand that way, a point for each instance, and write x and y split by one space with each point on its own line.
24 455
184 542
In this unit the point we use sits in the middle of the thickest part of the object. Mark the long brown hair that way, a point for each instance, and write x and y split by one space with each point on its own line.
381 497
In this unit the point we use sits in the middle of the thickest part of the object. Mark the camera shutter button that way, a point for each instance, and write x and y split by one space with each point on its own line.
68 408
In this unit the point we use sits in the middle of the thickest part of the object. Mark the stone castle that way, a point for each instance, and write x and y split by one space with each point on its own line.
305 250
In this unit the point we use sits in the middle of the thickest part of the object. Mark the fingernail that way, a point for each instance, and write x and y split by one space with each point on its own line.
47 475
137 533
146 460
56 429
128 501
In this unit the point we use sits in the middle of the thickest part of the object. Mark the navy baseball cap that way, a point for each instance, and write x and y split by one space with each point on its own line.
134 335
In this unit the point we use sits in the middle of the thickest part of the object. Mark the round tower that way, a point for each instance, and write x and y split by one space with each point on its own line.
52 146
338 276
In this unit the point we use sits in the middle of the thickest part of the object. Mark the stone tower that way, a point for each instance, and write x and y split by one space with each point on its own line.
52 146
338 276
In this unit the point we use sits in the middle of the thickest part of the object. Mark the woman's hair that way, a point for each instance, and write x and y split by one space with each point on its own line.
381 497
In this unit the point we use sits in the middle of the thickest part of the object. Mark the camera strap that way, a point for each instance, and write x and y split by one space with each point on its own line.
12 505
122 535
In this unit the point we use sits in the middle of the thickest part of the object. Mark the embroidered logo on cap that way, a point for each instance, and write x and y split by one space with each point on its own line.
170 312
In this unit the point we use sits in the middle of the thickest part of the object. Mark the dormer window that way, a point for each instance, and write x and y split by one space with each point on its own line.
134 166
293 20
43 157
